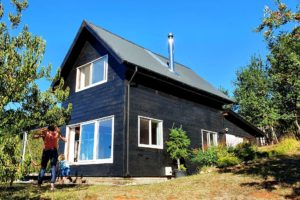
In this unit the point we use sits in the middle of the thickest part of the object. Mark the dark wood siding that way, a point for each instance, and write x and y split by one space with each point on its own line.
150 99
96 102
237 129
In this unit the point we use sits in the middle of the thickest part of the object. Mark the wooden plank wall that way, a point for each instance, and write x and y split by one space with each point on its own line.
100 101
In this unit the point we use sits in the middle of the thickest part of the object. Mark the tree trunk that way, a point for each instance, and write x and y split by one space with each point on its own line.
178 163
274 136
297 125
11 181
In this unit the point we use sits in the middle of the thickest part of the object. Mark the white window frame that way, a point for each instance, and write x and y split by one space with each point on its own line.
215 137
91 64
96 135
160 124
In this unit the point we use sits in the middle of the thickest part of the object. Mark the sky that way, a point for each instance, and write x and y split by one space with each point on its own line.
214 38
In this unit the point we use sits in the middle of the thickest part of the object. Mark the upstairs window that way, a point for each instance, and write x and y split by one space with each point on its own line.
150 133
92 73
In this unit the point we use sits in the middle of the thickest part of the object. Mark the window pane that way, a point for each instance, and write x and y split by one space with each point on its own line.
105 139
205 140
215 141
211 139
154 132
87 142
144 131
98 70
84 76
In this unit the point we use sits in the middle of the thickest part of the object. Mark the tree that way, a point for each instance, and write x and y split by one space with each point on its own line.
284 59
285 75
253 96
23 105
178 144
226 92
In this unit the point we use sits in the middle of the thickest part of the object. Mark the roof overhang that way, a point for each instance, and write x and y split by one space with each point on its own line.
229 114
87 28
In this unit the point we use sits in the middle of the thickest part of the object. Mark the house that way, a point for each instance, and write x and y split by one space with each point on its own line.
126 98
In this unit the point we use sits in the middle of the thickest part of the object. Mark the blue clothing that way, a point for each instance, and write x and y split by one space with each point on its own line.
50 154
64 168
65 172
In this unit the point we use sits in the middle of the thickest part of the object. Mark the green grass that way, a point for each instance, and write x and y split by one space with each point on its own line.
287 146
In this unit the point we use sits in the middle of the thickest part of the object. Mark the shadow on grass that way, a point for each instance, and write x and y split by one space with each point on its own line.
30 191
281 171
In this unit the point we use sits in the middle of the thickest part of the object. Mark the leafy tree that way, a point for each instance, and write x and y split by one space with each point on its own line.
227 93
23 105
178 144
253 96
284 59
10 165
285 75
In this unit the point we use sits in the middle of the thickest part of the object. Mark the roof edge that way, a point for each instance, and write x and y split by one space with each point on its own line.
240 118
85 24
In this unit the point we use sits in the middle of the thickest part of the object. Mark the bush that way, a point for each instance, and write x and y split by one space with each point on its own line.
228 161
245 152
205 158
34 151
10 158
177 145
286 145
214 156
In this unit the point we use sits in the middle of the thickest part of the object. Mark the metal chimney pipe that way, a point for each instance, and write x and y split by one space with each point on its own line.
171 52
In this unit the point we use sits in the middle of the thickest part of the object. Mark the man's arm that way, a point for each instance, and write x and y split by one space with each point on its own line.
60 136
40 134
63 138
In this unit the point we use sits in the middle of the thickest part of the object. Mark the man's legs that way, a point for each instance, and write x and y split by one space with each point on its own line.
45 159
54 156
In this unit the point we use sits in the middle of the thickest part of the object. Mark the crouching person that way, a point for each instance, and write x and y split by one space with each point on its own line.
64 169
51 135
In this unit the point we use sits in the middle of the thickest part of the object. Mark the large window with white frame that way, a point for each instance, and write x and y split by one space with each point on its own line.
209 138
92 73
90 142
150 132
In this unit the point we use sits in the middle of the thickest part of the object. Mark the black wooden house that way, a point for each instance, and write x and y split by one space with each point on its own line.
126 98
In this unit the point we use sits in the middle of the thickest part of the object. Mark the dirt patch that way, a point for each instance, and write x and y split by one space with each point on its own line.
264 195
90 197
123 197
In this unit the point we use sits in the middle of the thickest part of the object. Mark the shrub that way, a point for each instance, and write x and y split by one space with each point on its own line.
245 152
177 145
182 168
286 145
228 161
10 158
205 158
264 154
34 149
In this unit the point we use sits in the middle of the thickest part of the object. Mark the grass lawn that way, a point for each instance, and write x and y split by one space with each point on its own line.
272 178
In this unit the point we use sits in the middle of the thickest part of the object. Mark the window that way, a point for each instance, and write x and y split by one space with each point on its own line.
232 140
209 138
91 142
92 73
150 133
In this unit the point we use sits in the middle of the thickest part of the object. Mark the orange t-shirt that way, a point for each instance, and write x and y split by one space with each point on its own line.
50 140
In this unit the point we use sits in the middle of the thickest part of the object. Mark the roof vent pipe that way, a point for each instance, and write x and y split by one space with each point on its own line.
171 52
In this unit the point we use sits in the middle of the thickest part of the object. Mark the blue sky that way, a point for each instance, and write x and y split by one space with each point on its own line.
214 38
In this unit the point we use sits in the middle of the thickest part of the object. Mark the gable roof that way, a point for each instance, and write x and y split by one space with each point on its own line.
126 51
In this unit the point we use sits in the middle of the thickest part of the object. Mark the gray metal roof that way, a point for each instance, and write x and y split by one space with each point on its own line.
132 53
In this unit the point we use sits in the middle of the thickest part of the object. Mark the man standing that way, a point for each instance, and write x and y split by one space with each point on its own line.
50 137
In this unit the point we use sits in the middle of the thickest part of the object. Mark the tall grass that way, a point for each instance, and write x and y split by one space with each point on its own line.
286 146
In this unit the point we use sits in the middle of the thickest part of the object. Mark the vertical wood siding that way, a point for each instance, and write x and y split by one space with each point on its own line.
96 102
